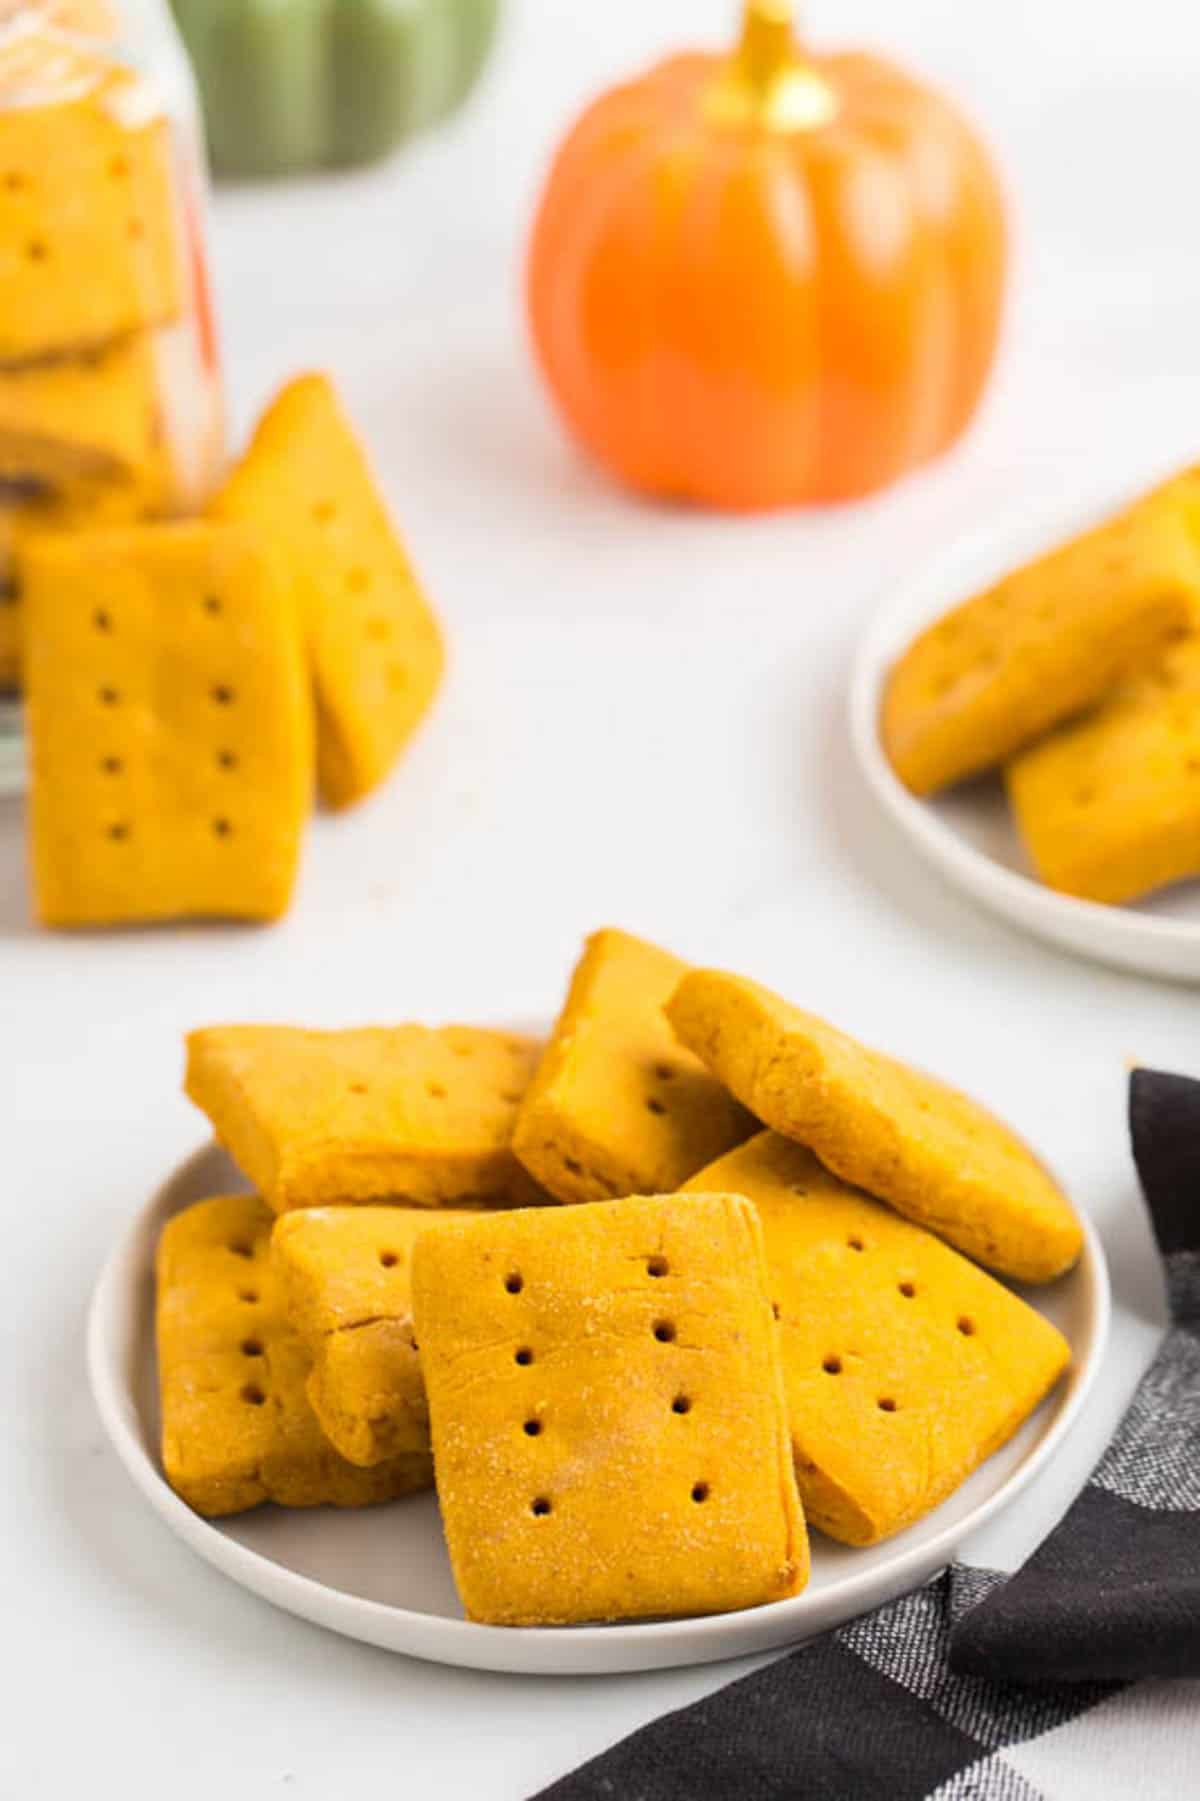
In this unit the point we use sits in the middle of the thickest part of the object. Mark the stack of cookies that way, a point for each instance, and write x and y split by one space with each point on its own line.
639 1301
183 677
1078 676
92 271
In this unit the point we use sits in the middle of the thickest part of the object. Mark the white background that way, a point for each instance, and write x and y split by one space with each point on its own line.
643 725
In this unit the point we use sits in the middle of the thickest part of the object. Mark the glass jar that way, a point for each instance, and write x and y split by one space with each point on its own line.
110 392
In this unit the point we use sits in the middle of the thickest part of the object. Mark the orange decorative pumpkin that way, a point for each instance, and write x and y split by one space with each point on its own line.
769 278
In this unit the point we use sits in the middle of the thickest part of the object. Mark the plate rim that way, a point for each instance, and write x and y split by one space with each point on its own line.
1116 935
538 1650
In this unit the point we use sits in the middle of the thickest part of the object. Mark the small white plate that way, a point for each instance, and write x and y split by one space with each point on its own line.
968 833
381 1574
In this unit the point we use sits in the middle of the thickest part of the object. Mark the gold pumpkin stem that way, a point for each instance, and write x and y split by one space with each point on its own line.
768 81
768 43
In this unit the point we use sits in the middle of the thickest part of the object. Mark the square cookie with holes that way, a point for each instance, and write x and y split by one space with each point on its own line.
417 1114
609 1432
90 245
237 1428
346 1276
617 1106
936 1155
1109 805
1047 641
95 416
904 1365
169 723
374 644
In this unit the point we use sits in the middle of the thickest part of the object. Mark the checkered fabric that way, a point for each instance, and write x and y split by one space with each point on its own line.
1057 1684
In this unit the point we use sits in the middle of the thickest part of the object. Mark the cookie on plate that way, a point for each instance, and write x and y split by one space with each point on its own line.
1041 645
904 1365
616 1106
417 1114
346 1278
935 1155
237 1428
608 1420
1109 807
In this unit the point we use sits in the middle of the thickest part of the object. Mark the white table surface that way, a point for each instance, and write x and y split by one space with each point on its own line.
643 725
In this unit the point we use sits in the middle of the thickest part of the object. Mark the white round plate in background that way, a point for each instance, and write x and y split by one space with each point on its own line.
381 1574
967 833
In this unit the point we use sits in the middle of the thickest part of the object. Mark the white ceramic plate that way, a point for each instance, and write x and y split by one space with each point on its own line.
381 1574
968 834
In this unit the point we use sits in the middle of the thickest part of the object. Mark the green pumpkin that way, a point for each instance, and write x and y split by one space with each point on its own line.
301 84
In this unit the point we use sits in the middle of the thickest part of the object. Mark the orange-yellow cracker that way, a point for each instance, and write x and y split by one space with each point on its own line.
374 643
1109 807
418 1114
1042 644
237 1428
29 510
346 1277
609 1432
94 416
89 243
904 1365
936 1156
169 725
616 1106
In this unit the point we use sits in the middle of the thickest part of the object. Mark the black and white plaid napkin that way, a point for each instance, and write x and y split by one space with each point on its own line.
1043 1686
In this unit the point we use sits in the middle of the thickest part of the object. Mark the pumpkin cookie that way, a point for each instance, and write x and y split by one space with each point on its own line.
377 1113
89 247
30 510
374 644
346 1276
608 1421
236 1426
936 1156
169 726
904 1366
616 1107
94 416
1039 646
1109 808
